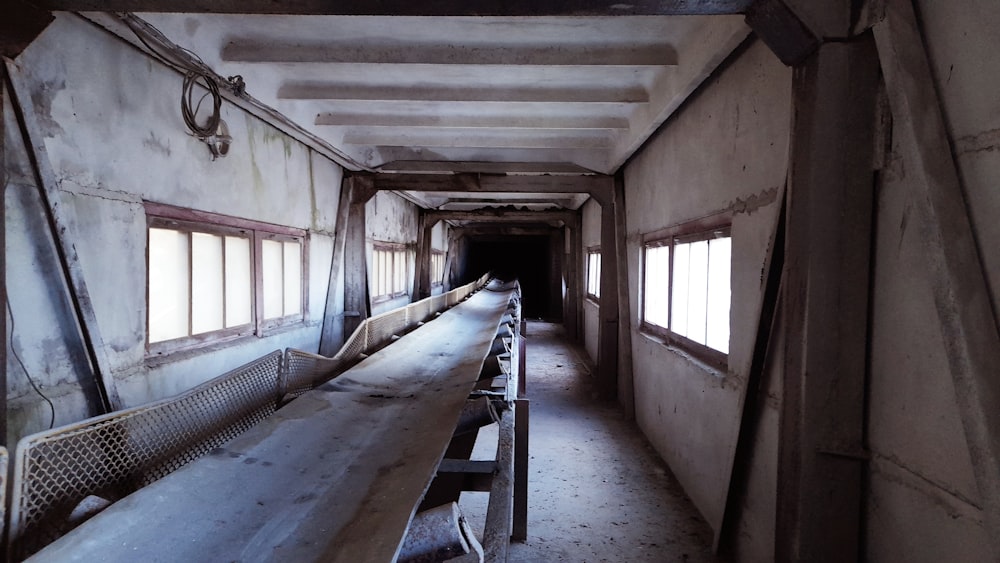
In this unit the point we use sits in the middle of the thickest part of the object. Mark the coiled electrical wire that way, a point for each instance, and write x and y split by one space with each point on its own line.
210 126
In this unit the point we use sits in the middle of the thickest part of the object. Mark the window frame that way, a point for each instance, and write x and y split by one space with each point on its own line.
592 252
716 226
394 249
187 220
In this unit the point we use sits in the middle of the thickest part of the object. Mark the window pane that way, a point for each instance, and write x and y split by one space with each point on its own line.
168 284
399 267
719 294
655 290
698 292
381 272
682 274
293 278
272 264
206 283
238 277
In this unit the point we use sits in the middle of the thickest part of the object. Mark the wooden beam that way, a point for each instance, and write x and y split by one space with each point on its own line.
754 392
20 25
410 8
825 304
626 389
328 344
574 298
356 305
59 225
521 421
607 331
3 264
782 30
954 265
425 227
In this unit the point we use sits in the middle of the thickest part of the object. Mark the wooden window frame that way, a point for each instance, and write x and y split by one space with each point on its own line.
164 216
394 249
594 295
716 226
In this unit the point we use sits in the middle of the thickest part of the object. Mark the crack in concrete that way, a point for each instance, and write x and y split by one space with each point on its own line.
754 202
986 141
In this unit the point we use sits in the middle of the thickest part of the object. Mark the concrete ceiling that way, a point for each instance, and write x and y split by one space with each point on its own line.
496 94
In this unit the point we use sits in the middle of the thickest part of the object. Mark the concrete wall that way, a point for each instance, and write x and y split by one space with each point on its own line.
924 503
725 151
390 218
115 138
591 236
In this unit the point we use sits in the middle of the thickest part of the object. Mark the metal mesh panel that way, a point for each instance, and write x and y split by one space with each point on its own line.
113 455
304 371
355 345
382 327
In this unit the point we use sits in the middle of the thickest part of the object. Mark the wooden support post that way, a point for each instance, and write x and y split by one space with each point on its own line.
65 248
557 247
521 421
328 343
3 265
573 295
607 347
625 384
522 361
825 304
955 269
425 230
500 511
356 305
754 392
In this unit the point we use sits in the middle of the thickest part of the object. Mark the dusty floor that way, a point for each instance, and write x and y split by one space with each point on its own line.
597 490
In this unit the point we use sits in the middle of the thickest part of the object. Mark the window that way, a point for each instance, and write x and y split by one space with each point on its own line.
389 272
594 273
212 277
687 293
437 267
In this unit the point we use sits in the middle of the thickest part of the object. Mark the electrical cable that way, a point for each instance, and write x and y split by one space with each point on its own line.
52 407
212 124
184 60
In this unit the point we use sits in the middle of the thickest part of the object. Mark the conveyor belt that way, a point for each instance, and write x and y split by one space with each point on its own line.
336 475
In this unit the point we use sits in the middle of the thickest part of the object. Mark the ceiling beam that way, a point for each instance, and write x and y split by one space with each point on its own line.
411 7
491 53
309 90
489 183
434 166
501 216
502 138
384 119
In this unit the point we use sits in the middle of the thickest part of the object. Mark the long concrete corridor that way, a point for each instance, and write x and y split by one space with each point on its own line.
597 490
